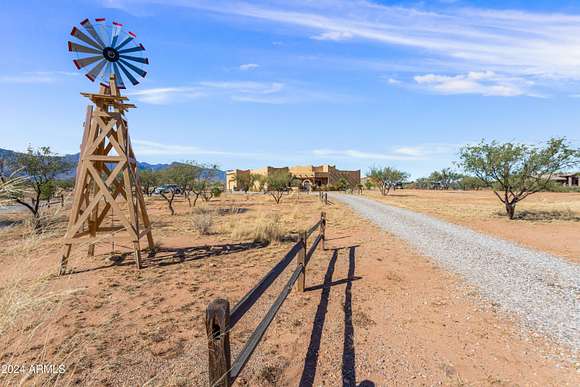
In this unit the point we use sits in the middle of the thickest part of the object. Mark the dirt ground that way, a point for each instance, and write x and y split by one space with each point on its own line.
373 312
546 221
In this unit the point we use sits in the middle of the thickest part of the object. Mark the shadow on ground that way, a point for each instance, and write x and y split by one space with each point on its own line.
543 216
175 255
348 353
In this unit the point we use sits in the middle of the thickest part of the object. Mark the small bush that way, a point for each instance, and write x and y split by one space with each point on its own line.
232 210
202 220
265 228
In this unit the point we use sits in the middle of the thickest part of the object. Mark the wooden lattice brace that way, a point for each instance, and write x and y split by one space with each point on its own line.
107 179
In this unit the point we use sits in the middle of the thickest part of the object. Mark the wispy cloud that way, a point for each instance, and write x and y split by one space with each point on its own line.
249 66
337 36
151 148
538 46
166 95
36 77
485 83
239 91
245 87
399 153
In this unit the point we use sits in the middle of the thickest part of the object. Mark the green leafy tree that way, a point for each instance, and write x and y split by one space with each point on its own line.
386 178
149 180
246 181
342 184
515 171
41 167
277 184
445 178
467 182
205 183
170 179
369 185
184 176
260 182
216 190
423 183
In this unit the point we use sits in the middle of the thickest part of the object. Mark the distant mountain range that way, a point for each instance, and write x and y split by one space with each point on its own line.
9 157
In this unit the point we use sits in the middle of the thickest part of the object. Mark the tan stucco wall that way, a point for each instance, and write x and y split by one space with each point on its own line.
305 172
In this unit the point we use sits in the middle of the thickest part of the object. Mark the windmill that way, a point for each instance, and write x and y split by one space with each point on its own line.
107 196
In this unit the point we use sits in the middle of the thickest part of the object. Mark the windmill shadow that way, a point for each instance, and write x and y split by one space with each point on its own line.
348 354
166 256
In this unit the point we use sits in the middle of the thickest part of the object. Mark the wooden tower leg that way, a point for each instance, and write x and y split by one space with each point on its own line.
93 230
137 250
64 259
141 204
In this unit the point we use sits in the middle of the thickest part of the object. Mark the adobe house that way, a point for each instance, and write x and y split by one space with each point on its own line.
567 179
309 175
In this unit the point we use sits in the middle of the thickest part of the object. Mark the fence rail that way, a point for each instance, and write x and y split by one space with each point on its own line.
219 321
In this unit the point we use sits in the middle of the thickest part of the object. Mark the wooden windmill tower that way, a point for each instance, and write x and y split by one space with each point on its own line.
107 182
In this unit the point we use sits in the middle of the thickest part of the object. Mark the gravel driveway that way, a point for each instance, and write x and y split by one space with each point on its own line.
542 289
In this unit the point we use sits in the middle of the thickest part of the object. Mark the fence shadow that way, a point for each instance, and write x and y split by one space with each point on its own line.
311 361
348 354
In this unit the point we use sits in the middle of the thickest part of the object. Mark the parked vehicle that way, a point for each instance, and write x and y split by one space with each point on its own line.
167 188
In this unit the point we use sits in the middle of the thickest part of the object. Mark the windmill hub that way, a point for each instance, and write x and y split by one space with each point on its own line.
111 54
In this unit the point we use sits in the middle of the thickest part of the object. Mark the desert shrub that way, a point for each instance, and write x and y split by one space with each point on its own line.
231 210
265 228
202 220
216 190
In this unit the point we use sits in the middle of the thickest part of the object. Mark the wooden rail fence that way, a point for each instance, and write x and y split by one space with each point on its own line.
219 320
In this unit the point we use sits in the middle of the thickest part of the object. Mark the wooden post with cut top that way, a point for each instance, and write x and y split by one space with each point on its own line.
217 322
301 260
323 229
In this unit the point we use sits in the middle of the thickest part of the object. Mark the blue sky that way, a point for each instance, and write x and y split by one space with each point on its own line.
352 83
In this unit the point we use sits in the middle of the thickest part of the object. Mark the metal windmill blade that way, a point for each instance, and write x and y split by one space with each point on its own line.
103 49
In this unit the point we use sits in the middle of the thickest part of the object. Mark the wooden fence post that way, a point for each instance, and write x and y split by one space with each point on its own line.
301 260
217 321
323 228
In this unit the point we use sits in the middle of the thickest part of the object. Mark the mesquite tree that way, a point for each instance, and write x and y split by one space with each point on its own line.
149 180
516 171
245 181
206 184
41 167
386 178
278 183
444 178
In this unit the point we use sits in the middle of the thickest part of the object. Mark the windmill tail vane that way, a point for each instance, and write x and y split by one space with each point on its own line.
103 49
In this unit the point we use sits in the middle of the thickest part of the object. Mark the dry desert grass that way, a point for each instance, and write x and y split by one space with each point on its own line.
400 317
546 221
106 316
